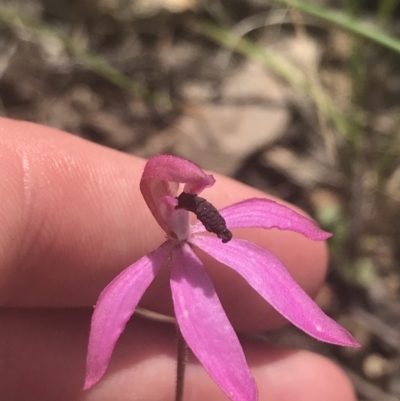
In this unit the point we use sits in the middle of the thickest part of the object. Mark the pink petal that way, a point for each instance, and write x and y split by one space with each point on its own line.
206 328
265 213
114 308
270 278
162 175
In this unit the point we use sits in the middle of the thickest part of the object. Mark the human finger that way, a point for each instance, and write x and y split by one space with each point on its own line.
72 217
43 358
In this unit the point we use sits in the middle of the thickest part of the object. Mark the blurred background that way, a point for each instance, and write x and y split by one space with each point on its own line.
298 98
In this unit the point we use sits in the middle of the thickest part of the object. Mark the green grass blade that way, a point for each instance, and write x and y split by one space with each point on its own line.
94 62
363 29
281 68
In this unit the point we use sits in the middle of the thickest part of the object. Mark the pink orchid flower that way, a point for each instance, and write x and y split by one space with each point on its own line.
198 311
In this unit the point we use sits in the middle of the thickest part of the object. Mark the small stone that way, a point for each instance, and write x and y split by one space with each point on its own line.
376 366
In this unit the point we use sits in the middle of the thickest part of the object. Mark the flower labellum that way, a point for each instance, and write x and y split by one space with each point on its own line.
206 213
198 311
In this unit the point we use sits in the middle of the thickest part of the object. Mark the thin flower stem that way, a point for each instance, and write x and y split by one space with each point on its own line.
181 365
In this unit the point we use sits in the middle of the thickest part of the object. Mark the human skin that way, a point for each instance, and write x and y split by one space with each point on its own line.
72 217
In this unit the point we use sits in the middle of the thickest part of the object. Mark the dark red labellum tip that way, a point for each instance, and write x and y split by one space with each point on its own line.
206 213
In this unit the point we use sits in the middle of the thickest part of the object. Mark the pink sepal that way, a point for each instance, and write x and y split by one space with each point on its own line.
115 306
270 278
206 328
267 214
